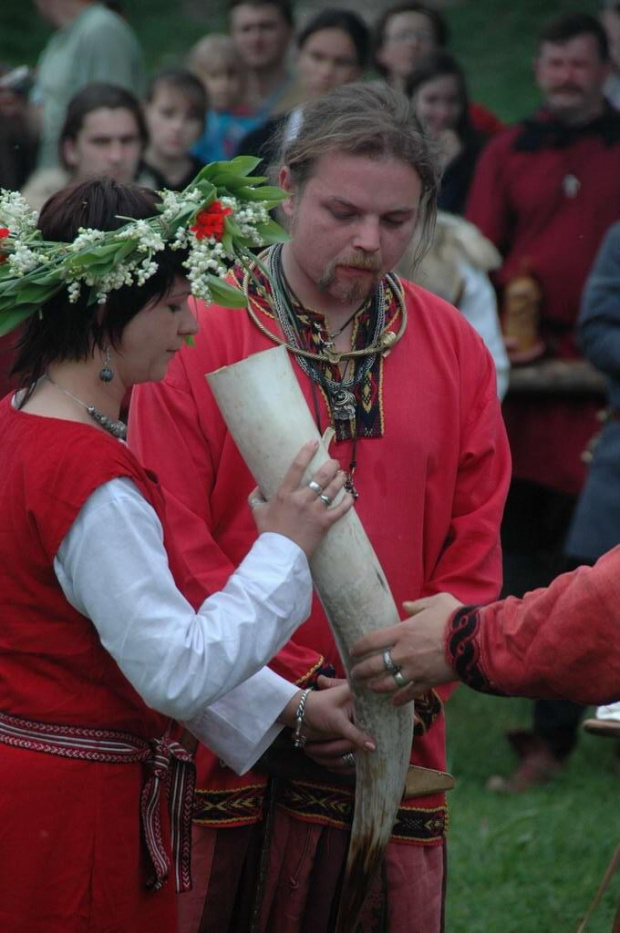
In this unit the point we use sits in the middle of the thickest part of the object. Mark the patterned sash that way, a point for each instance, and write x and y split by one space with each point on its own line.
170 766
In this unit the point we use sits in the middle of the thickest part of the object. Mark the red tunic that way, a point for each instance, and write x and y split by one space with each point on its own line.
432 490
71 833
555 643
546 206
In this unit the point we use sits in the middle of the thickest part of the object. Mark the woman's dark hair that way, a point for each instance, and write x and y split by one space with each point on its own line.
345 20
67 331
436 20
439 65
93 97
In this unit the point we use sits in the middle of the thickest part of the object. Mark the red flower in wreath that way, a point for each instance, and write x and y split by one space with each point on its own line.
210 221
4 232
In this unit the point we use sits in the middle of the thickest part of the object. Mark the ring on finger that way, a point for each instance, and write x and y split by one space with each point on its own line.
315 487
326 500
398 677
389 663
349 759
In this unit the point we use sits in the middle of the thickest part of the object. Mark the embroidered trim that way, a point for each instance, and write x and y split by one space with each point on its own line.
369 393
310 677
462 646
240 806
333 806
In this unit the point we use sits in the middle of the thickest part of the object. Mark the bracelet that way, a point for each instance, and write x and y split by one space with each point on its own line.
299 740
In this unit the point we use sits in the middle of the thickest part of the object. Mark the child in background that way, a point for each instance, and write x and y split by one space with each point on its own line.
216 61
174 111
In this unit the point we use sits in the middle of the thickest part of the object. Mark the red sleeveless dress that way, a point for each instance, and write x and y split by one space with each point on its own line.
71 842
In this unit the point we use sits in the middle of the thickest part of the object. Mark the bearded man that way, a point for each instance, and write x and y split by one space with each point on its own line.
410 390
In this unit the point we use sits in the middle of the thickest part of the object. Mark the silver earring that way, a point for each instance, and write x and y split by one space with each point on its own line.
106 373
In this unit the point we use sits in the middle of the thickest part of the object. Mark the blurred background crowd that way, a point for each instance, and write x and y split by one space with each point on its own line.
527 243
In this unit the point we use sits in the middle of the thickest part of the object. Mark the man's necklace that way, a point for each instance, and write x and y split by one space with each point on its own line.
340 395
115 428
386 341
342 401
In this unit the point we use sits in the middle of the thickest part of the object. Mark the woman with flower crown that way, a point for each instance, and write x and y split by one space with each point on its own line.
106 643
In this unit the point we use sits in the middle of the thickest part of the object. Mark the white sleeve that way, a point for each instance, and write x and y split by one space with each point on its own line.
113 568
478 305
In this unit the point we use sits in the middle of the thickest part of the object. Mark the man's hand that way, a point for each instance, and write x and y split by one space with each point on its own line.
416 647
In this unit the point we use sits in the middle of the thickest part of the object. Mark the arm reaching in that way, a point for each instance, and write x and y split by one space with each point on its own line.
556 643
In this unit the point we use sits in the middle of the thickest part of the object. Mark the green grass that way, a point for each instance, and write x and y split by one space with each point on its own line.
530 863
494 39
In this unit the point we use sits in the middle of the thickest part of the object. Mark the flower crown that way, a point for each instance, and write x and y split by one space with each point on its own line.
218 219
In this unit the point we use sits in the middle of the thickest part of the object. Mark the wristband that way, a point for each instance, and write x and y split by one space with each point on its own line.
299 740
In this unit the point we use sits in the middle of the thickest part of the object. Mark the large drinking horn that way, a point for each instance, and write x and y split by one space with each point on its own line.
266 413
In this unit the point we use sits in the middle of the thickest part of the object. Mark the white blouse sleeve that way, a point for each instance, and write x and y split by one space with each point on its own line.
113 568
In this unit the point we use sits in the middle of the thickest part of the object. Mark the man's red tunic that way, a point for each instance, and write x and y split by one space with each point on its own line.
545 197
432 490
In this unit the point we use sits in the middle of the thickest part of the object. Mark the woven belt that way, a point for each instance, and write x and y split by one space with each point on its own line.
169 763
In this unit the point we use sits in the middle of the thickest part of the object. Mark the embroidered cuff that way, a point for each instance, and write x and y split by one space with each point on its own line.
463 650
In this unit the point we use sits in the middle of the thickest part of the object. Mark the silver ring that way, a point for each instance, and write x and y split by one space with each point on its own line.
256 501
315 487
389 663
326 500
349 759
398 677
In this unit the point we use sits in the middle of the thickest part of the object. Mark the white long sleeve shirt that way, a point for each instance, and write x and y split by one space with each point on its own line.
203 668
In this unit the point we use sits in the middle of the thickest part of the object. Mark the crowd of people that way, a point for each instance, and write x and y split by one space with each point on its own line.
449 296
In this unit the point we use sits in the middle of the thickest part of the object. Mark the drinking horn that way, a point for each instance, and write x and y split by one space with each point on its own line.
269 420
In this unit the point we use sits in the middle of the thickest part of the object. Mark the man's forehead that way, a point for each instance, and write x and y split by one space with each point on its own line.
248 14
343 170
109 122
585 42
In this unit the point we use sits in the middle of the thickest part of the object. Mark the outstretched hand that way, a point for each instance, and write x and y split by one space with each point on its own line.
416 647
303 513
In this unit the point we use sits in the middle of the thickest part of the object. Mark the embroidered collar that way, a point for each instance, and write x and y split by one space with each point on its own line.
542 131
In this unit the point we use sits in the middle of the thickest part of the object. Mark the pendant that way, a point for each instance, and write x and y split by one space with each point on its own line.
349 487
342 404
571 186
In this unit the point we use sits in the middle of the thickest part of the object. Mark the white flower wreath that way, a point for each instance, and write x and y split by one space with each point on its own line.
218 219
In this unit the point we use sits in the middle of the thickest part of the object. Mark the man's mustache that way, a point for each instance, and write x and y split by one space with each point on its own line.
370 263
568 87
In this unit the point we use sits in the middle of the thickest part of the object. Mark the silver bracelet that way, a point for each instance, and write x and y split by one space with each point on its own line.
299 740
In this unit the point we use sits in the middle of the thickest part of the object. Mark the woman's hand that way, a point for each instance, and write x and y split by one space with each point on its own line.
416 647
300 512
327 725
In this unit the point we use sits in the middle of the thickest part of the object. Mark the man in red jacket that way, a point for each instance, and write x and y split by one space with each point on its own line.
545 191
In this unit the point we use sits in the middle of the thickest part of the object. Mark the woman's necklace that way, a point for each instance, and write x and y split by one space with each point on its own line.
115 428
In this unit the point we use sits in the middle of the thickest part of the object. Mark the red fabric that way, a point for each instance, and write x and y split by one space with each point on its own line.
302 885
517 200
431 489
556 643
484 120
72 828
